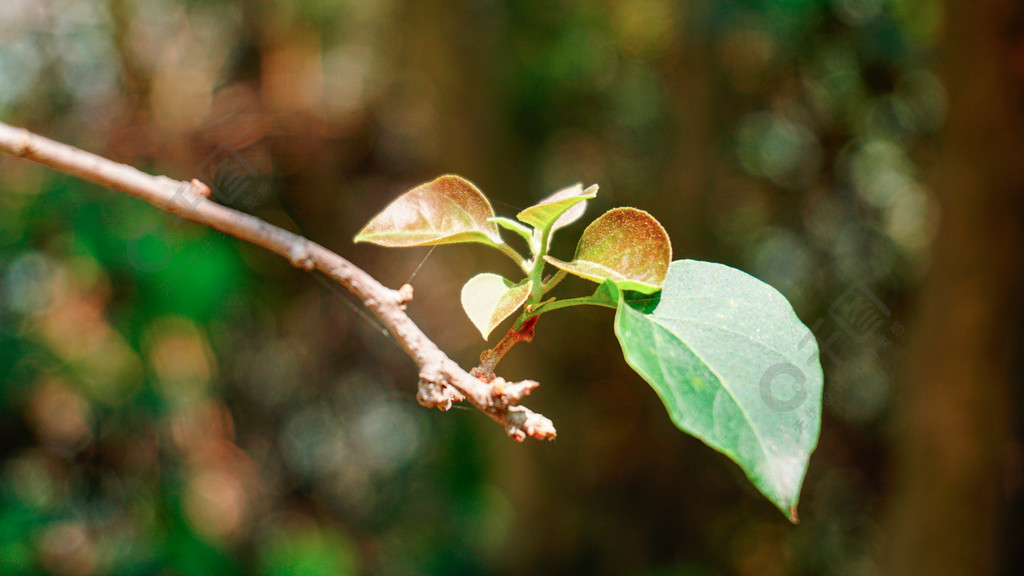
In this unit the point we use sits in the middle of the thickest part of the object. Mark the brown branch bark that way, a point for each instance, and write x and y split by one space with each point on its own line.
442 381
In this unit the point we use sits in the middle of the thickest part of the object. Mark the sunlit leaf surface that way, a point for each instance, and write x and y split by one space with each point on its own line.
560 209
447 210
625 245
734 366
488 299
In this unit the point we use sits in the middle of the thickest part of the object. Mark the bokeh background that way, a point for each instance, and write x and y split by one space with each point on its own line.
173 401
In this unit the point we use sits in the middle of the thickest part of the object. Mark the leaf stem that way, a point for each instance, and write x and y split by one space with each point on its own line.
554 280
536 272
581 301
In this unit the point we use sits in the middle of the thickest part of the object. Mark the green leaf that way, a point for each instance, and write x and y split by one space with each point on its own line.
513 226
625 245
488 299
606 294
559 209
447 210
734 366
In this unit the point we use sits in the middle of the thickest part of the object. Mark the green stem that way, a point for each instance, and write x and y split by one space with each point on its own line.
522 329
554 280
536 273
581 301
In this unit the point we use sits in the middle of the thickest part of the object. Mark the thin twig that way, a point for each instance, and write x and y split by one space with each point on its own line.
489 358
442 381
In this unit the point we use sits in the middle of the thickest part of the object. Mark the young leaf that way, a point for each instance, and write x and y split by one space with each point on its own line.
513 226
625 245
488 299
446 210
559 209
734 366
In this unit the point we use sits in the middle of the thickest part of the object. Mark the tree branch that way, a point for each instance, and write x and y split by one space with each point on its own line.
442 381
489 358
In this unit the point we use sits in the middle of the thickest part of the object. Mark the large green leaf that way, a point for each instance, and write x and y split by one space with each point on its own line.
734 366
488 299
559 209
447 210
625 245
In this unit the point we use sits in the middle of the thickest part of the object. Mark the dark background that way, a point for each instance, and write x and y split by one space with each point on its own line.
173 401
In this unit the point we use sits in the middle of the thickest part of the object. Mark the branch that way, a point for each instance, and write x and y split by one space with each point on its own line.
489 358
442 381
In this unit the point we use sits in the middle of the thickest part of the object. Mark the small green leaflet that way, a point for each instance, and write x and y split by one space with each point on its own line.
447 210
625 245
488 299
559 209
512 226
734 366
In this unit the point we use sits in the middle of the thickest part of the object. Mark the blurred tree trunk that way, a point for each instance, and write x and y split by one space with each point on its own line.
952 420
450 44
690 85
